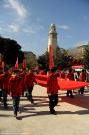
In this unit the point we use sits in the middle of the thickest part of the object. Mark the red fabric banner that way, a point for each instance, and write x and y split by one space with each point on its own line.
71 85
41 80
62 83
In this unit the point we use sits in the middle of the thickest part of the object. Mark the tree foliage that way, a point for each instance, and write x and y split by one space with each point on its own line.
10 50
62 59
43 61
86 58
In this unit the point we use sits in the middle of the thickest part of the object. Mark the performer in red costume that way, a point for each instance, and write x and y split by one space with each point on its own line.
15 89
1 72
52 90
23 76
62 75
82 78
42 72
70 76
5 80
30 80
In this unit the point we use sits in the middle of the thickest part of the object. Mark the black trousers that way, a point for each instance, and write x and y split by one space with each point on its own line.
81 90
29 93
69 93
53 101
16 100
4 93
0 93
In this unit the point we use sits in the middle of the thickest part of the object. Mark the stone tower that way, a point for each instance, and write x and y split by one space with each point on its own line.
52 39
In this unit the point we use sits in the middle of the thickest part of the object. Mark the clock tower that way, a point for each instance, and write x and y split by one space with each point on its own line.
52 39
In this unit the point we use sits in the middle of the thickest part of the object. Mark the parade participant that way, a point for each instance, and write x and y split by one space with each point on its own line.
5 80
48 72
62 75
22 75
15 90
70 76
1 72
42 72
52 90
57 72
76 77
82 78
30 80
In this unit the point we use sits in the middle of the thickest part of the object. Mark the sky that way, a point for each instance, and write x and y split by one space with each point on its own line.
28 22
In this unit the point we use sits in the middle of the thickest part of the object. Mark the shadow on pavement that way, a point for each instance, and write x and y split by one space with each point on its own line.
78 100
5 115
35 114
42 101
41 113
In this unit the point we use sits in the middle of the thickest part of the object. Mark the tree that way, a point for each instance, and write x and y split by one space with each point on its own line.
43 61
10 50
63 60
86 58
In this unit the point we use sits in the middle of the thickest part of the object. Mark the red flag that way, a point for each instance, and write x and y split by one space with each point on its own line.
24 63
3 64
16 64
51 62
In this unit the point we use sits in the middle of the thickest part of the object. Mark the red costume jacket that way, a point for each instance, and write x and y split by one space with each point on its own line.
1 84
82 77
62 75
42 72
70 76
5 80
52 84
30 79
22 75
15 86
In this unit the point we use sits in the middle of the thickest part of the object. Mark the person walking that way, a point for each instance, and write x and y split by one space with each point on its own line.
30 80
70 76
52 90
1 72
5 81
15 90
62 74
82 78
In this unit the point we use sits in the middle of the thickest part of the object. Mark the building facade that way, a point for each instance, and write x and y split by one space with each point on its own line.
31 59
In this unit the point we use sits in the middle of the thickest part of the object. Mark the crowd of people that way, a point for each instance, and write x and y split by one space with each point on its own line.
16 82
76 76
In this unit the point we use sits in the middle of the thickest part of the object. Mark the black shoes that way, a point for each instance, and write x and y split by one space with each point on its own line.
15 114
80 92
52 111
5 106
32 101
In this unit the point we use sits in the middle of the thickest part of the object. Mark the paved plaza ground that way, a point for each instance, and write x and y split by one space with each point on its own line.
72 116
